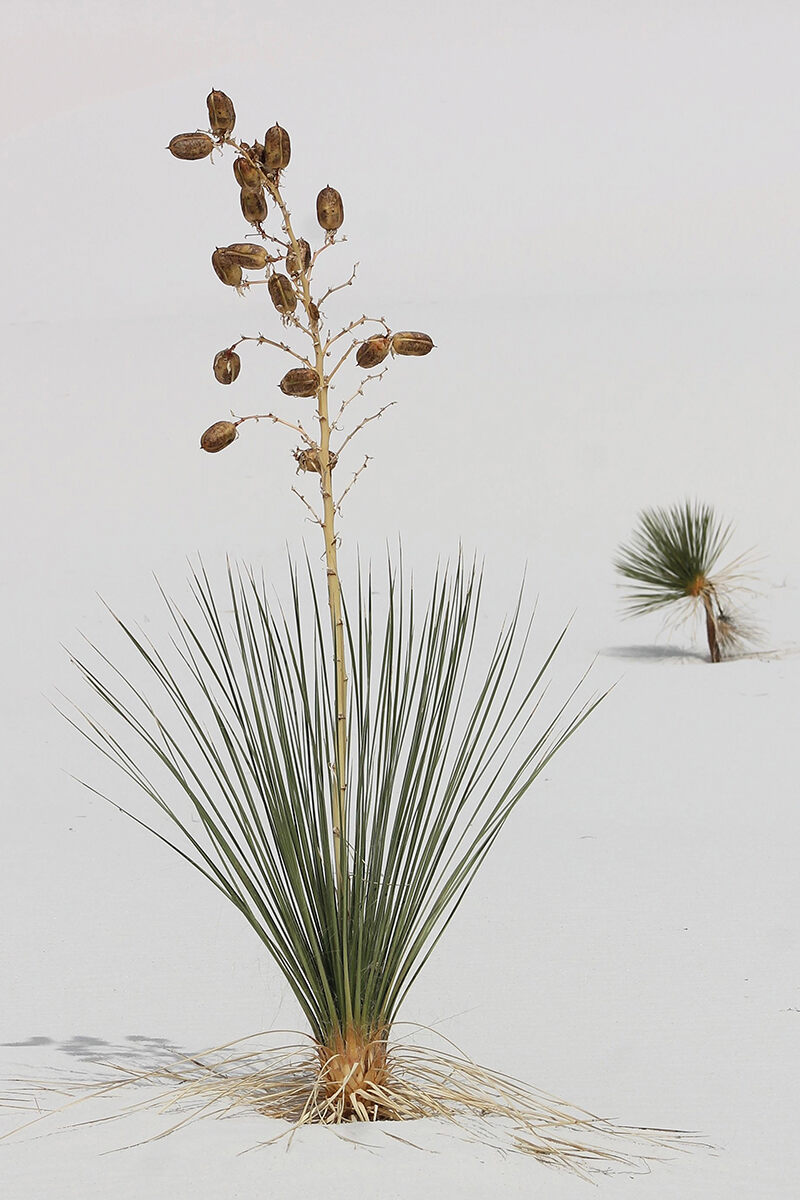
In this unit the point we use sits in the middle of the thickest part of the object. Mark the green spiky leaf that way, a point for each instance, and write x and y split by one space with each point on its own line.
239 734
671 555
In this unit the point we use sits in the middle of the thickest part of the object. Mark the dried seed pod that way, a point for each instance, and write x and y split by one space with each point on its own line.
247 255
190 146
296 263
313 311
300 381
277 149
282 294
227 365
254 205
229 272
415 344
330 210
247 176
218 436
221 114
308 460
373 351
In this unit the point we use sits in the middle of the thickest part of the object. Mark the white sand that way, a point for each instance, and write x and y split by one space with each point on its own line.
629 184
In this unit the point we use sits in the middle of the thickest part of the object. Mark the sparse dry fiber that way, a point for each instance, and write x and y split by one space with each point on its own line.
299 1083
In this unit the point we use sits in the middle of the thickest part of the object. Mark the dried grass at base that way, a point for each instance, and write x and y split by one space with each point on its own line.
287 1083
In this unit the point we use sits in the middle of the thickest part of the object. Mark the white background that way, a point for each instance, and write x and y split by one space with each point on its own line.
593 208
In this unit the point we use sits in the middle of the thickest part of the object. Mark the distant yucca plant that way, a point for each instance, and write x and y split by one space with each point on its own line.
671 560
349 774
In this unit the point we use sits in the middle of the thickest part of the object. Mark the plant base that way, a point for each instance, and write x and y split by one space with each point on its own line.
375 1080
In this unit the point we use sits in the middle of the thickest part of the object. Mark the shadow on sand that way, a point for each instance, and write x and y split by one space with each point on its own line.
137 1048
653 653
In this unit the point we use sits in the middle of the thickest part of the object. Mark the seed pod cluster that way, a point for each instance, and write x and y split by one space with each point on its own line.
191 146
218 436
330 209
227 365
246 255
221 114
309 460
415 344
246 175
373 351
296 263
254 205
277 149
282 294
300 381
229 272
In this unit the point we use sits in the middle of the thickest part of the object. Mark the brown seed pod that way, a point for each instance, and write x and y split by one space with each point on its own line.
313 311
247 255
229 272
330 210
308 460
254 205
247 176
300 381
282 294
218 436
221 114
277 149
373 351
227 365
296 263
415 344
190 146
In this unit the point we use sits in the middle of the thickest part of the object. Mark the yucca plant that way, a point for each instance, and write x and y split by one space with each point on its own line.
350 768
671 562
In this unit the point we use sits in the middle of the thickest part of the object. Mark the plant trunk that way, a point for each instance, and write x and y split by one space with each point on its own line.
711 628
353 1070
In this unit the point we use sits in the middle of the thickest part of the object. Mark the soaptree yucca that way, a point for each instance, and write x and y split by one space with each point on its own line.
671 562
336 767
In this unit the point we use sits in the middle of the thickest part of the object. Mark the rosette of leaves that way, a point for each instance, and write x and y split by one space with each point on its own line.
672 562
238 732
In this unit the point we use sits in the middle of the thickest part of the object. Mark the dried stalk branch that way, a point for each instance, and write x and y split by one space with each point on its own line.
359 392
263 341
363 467
314 515
366 421
278 421
338 288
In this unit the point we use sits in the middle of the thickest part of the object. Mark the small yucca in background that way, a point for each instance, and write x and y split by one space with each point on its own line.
671 561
